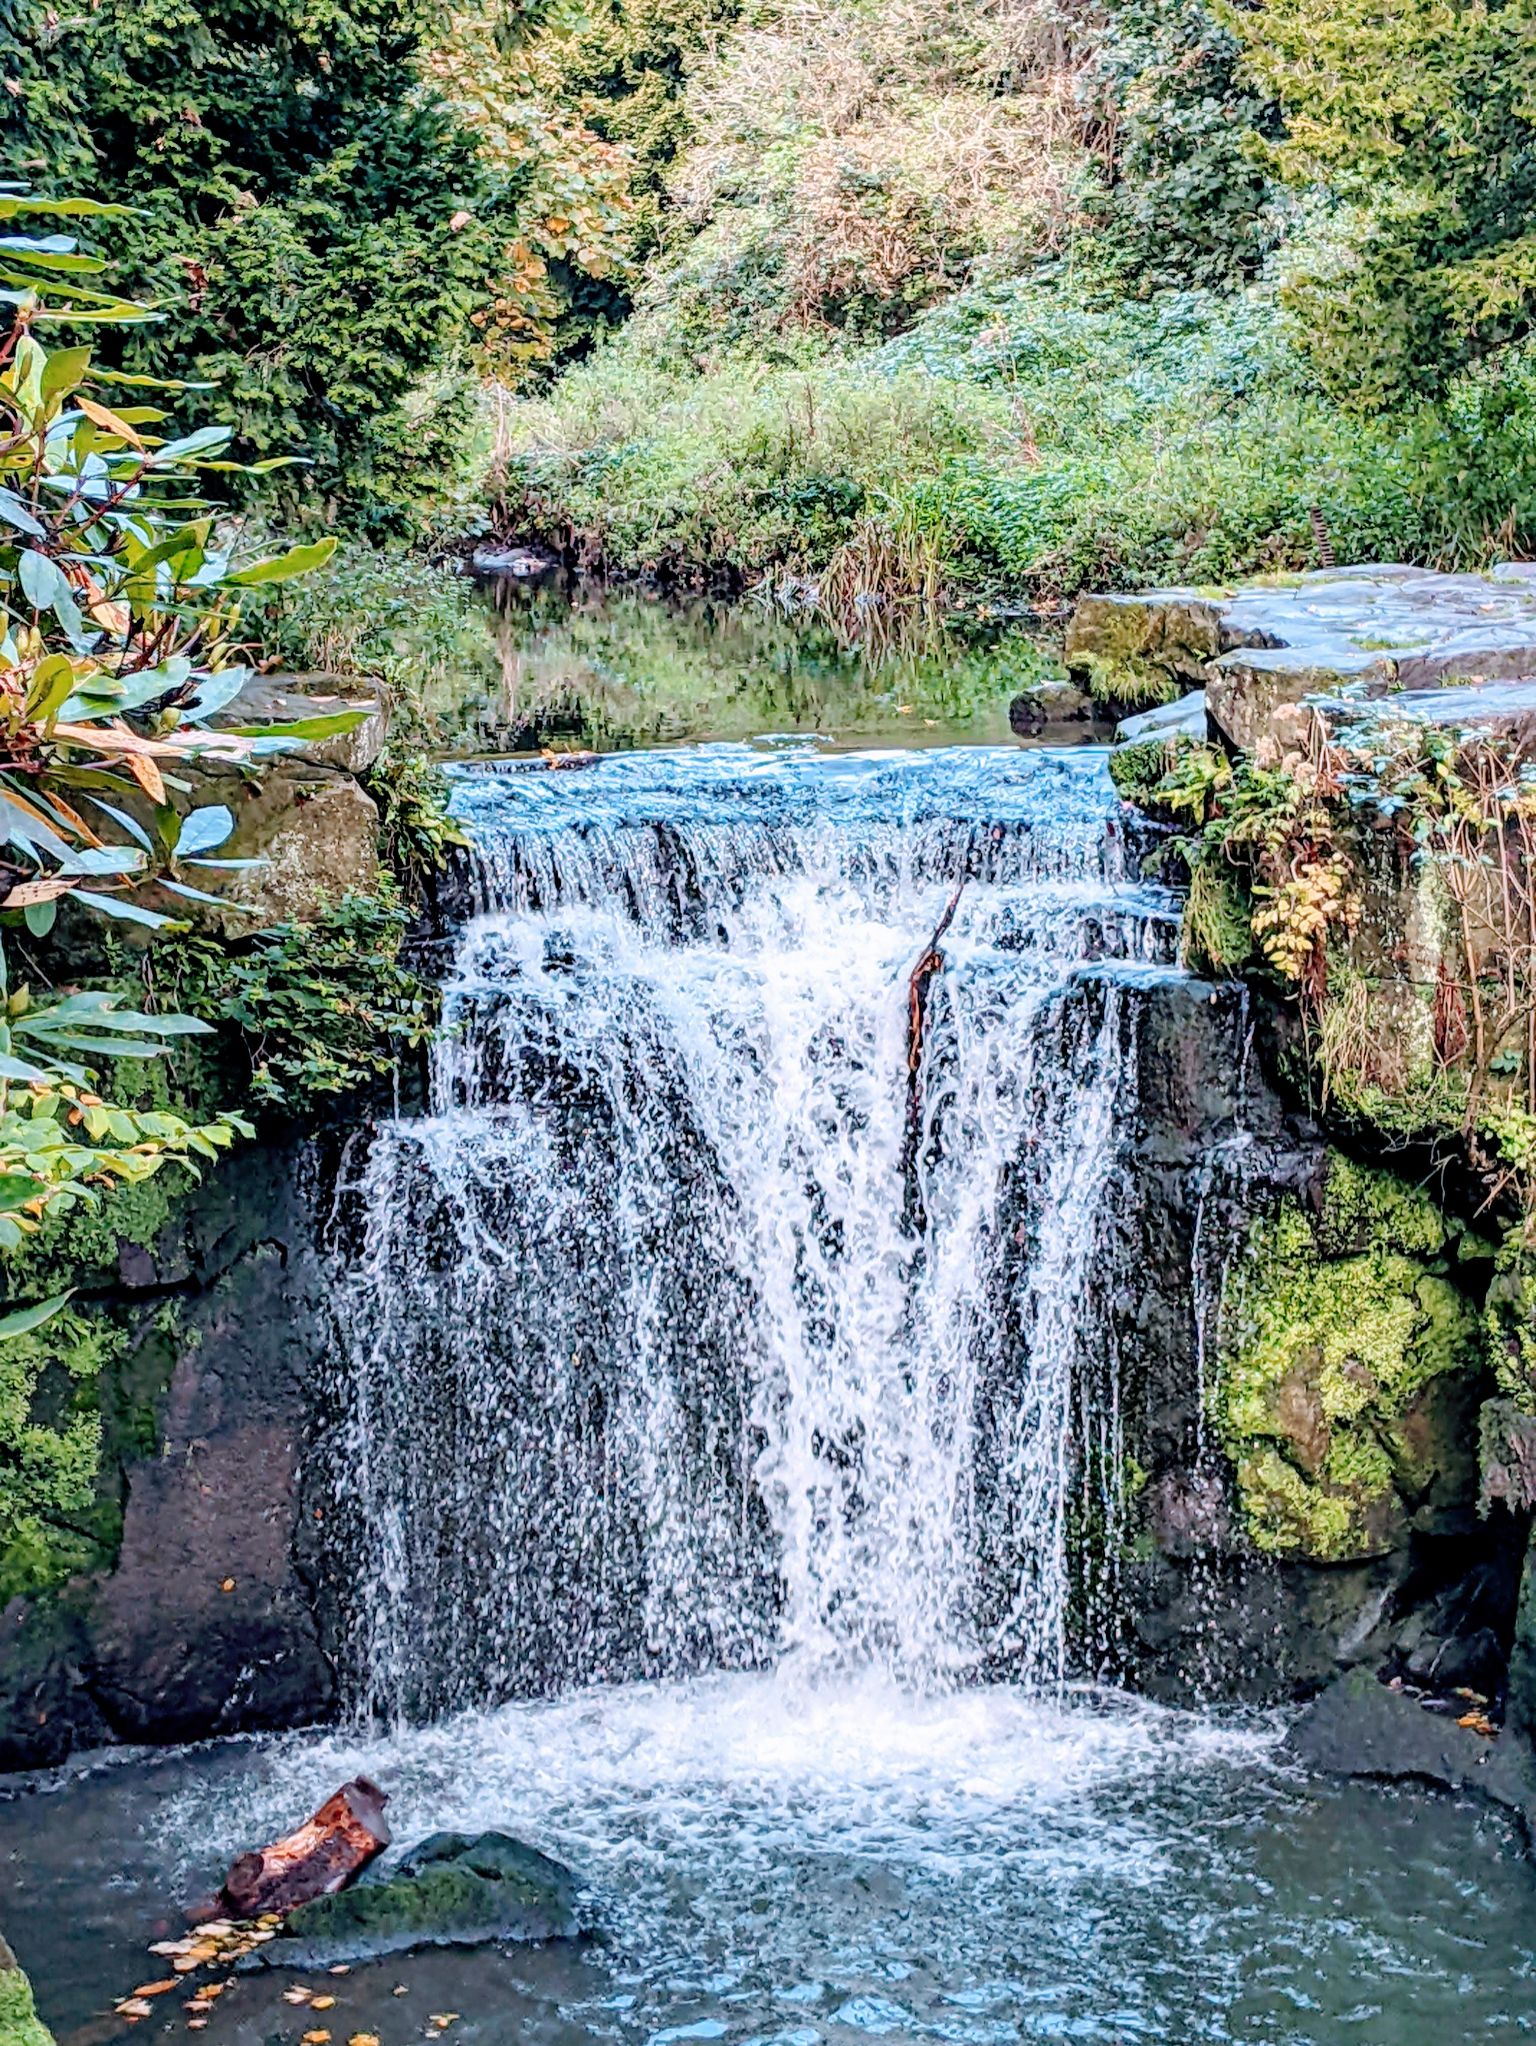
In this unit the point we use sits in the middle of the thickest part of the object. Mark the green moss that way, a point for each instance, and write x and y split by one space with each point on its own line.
1337 1334
1129 681
1509 1320
82 1247
1367 1210
1217 932
79 1401
20 2024
50 1449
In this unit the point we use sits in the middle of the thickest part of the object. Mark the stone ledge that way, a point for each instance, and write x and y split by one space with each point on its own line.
1369 632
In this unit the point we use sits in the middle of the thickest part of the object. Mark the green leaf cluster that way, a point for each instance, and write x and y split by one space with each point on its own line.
1418 123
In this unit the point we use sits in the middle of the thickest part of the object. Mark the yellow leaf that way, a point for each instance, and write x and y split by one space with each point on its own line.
322 2002
100 416
317 2039
147 775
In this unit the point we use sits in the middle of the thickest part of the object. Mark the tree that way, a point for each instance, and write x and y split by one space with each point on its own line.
309 219
1419 119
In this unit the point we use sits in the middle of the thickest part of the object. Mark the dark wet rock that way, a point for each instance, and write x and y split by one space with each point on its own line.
524 563
314 700
1049 703
202 1615
1363 1727
450 1891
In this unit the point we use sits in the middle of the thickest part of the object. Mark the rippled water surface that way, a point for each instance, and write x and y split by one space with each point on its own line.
770 1860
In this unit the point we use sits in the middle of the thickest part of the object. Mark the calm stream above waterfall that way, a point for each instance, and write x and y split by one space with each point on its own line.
731 1426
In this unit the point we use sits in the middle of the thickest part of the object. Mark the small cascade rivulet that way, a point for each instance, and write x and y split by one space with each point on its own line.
690 1326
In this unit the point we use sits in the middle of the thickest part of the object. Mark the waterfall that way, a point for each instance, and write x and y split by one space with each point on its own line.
688 1328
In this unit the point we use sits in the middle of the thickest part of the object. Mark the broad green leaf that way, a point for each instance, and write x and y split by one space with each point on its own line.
279 568
25 1319
302 729
126 912
66 366
16 513
203 829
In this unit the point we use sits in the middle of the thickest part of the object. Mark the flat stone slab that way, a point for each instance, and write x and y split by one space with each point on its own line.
1366 632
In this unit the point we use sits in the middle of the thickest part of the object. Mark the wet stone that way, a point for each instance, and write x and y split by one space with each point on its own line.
449 1891
1369 632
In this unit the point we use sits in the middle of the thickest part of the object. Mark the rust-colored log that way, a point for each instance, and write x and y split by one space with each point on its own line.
325 1854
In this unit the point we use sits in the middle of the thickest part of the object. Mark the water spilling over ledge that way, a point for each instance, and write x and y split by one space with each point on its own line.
693 1327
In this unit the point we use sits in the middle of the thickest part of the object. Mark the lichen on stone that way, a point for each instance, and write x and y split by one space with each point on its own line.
1341 1333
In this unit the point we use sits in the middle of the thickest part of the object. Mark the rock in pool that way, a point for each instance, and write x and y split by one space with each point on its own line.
449 1891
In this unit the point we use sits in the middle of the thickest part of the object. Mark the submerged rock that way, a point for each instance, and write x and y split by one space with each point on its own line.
1362 1727
449 1891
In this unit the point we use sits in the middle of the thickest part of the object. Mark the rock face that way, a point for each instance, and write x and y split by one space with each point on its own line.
200 1617
1300 1378
1368 632
450 1891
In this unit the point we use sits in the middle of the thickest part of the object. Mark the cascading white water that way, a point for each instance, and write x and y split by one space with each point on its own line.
690 1328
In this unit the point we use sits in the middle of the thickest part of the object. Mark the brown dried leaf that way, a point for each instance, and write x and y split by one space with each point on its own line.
323 2002
321 2038
157 1988
134 2007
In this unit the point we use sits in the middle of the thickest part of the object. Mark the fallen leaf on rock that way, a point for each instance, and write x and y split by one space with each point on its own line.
170 1946
443 2019
134 2007
157 1988
323 2002
317 2039
297 1994
197 2024
198 2005
364 2039
341 1968
400 1990
186 1963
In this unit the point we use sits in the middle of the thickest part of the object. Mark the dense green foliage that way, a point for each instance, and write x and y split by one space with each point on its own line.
1047 445
1420 121
299 194
318 1008
1189 202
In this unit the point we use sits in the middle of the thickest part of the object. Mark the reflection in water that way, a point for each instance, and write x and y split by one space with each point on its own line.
615 668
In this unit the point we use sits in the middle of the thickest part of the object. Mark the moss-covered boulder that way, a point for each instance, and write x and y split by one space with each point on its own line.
20 2024
450 1891
1351 1370
1141 652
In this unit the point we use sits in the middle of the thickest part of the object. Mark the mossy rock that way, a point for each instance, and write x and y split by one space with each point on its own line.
450 1891
1141 652
1351 1364
20 2024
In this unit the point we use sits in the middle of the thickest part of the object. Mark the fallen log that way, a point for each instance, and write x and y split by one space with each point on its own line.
324 1855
